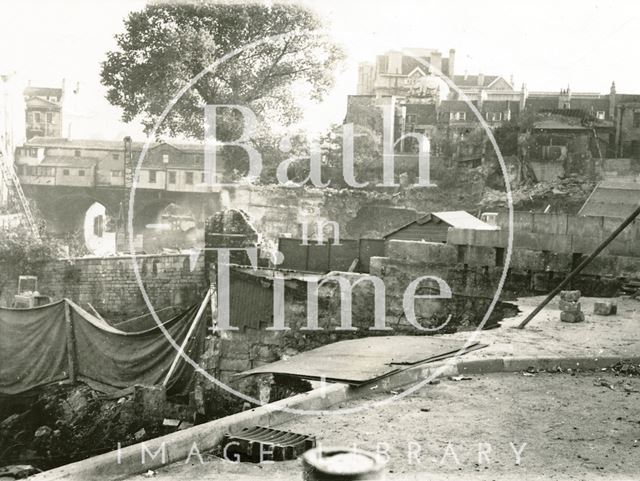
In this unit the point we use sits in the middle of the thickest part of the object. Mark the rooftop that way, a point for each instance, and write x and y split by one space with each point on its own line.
97 144
612 199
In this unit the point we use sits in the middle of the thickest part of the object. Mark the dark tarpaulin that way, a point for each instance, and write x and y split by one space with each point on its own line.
33 347
115 359
33 350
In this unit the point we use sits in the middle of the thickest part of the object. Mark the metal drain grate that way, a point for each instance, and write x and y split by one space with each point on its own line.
260 443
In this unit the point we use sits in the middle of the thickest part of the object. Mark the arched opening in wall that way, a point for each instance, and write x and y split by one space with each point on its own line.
167 225
97 239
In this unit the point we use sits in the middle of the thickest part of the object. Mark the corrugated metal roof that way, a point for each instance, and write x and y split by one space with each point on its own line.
461 219
612 199
458 219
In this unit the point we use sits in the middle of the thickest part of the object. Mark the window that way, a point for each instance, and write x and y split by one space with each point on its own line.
165 158
152 176
49 117
202 178
600 115
411 119
65 171
636 118
199 158
45 171
116 173
78 153
98 226
172 177
188 177
115 156
81 172
36 117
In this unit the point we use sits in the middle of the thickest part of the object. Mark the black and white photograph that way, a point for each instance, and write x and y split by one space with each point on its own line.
319 240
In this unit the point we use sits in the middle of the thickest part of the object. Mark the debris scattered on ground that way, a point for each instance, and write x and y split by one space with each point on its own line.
603 382
425 410
66 423
624 368
573 189
18 471
459 378
171 423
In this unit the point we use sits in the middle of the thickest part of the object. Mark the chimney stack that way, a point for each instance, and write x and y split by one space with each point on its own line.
480 79
452 63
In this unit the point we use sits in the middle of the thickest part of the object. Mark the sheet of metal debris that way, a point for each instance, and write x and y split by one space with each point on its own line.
358 361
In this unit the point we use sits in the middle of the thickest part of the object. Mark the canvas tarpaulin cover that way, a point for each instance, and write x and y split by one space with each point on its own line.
34 346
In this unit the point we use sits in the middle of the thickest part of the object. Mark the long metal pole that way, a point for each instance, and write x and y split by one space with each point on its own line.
203 306
582 265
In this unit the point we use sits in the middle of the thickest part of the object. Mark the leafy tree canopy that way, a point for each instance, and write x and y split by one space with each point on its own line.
164 46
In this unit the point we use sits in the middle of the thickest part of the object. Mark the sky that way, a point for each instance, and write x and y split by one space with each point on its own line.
546 44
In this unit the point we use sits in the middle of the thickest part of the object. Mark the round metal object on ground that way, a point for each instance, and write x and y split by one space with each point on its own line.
342 464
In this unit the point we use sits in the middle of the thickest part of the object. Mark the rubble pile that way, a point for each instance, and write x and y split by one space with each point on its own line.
68 423
570 310
564 195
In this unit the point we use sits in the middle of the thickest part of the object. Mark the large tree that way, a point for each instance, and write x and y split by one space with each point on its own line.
164 46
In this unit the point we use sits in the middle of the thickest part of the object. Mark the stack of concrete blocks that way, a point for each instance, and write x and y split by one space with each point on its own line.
605 308
570 307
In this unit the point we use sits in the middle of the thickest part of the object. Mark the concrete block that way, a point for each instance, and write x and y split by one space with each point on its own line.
570 306
377 265
584 226
603 265
573 317
527 259
550 223
558 262
235 365
605 308
149 401
543 242
440 254
585 244
464 237
481 366
481 256
491 238
572 296
406 250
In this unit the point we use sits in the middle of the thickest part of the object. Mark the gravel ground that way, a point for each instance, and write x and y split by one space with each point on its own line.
575 426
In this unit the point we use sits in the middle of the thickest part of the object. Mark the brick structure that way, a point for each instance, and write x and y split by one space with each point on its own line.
110 285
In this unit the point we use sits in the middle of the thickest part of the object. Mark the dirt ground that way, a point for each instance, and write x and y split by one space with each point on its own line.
575 426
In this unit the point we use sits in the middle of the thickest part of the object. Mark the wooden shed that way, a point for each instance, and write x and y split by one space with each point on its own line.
433 227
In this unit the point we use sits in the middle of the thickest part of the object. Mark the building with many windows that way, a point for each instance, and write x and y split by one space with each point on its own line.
43 114
58 161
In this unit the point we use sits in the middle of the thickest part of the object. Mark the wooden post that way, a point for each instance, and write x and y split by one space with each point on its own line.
201 310
71 344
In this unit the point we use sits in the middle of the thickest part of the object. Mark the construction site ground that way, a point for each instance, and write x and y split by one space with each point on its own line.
577 424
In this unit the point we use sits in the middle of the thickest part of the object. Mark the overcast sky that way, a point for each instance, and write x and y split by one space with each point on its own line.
547 44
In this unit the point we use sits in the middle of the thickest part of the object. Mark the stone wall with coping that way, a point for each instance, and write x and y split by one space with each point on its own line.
109 283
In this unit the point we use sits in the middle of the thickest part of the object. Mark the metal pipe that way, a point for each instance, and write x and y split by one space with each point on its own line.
582 265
